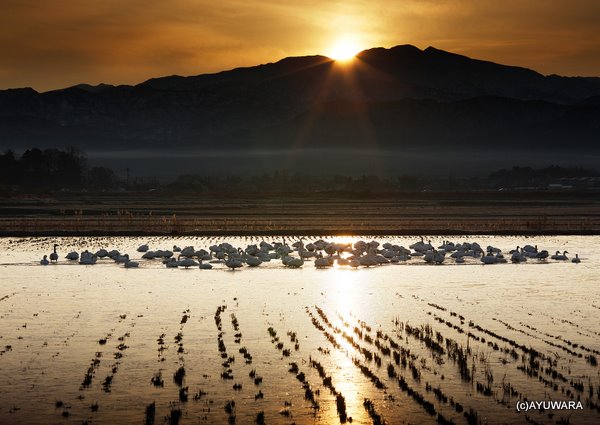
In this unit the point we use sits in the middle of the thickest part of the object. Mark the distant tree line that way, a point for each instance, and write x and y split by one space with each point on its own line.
281 181
53 169
527 176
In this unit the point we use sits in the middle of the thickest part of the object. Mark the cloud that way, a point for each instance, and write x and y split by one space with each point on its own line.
57 43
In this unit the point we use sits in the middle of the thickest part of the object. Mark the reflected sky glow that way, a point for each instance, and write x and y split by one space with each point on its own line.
68 308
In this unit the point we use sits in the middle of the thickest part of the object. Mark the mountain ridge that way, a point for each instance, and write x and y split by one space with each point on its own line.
430 50
409 99
397 58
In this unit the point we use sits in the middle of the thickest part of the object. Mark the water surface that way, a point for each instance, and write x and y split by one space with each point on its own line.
526 331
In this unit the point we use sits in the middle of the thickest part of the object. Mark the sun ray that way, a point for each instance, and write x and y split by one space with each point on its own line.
343 50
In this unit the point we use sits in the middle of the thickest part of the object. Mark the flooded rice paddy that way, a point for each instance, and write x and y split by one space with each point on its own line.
396 343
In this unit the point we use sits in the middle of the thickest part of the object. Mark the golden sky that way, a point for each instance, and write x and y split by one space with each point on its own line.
48 44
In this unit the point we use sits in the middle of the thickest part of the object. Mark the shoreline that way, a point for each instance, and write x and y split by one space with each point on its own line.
428 213
296 233
290 234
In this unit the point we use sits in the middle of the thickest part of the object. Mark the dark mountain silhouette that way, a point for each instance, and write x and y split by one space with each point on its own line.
394 99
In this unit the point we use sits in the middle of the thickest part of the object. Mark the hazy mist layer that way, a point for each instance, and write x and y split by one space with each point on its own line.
329 162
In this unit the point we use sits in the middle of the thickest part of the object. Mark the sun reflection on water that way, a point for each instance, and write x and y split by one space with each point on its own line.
349 290
348 299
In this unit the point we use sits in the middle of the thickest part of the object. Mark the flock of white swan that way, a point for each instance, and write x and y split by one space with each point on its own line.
321 253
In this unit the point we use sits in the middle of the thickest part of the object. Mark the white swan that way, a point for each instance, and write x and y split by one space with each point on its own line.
359 247
428 257
370 258
119 259
500 258
321 263
265 247
186 262
149 255
354 263
171 263
368 261
233 263
414 245
305 254
439 257
448 246
403 251
458 254
421 246
381 259
493 249
205 266
253 261
264 257
252 250
388 253
54 255
73 255
477 250
293 262
434 256
87 258
188 251
320 244
561 257
283 250
489 258
518 257
530 254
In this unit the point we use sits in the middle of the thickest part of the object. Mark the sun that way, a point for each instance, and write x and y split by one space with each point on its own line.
343 50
